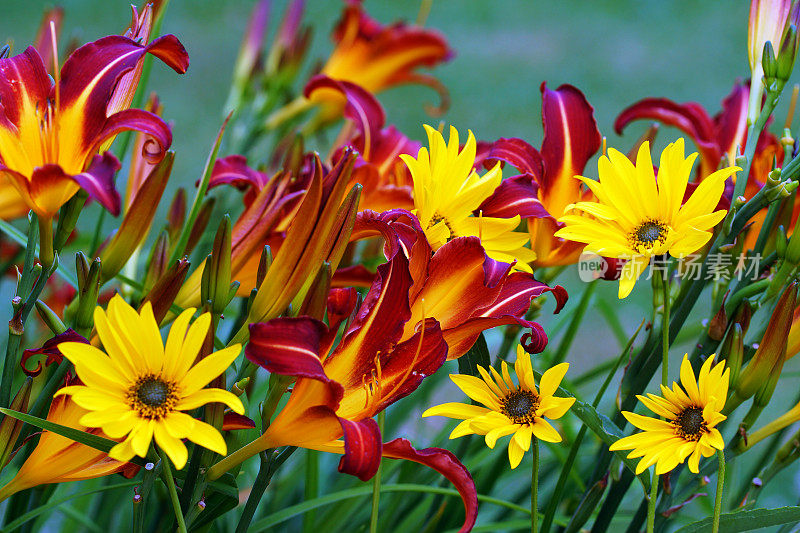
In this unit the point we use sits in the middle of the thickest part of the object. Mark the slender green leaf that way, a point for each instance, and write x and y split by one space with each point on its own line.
202 188
55 504
93 441
296 510
746 520
604 428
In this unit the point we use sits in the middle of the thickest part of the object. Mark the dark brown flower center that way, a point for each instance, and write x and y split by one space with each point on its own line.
520 406
690 424
648 234
152 397
152 392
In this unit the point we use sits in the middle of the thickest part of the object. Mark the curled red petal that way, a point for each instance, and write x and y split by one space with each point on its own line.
362 448
98 181
233 170
361 107
160 136
690 118
517 195
534 341
288 346
517 153
50 349
446 464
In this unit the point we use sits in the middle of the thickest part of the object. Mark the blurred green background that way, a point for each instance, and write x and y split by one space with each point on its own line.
615 51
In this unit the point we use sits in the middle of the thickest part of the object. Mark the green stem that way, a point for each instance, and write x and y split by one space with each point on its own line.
169 481
376 483
311 489
572 329
720 482
651 504
665 333
236 458
46 253
259 487
555 498
535 486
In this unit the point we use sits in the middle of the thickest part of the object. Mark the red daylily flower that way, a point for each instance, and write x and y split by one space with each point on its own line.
51 132
378 57
547 184
461 287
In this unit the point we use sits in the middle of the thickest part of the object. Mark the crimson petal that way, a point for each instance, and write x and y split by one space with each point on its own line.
50 349
446 464
571 136
690 118
517 195
98 181
288 346
362 448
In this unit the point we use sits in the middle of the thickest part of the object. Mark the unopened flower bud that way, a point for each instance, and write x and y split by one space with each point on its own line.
764 369
316 299
787 54
781 242
176 215
50 318
157 262
263 265
11 427
216 280
87 299
719 323
769 64
733 351
239 387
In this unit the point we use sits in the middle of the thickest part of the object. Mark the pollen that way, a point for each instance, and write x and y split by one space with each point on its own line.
690 424
520 406
436 218
152 397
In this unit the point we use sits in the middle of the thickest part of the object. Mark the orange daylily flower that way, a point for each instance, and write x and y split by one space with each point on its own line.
57 459
377 57
385 178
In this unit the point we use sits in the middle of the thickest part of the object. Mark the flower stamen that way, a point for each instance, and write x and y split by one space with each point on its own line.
690 424
520 406
648 235
152 397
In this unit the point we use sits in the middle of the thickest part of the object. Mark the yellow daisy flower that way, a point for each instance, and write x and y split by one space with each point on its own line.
141 386
510 409
446 192
691 414
636 217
